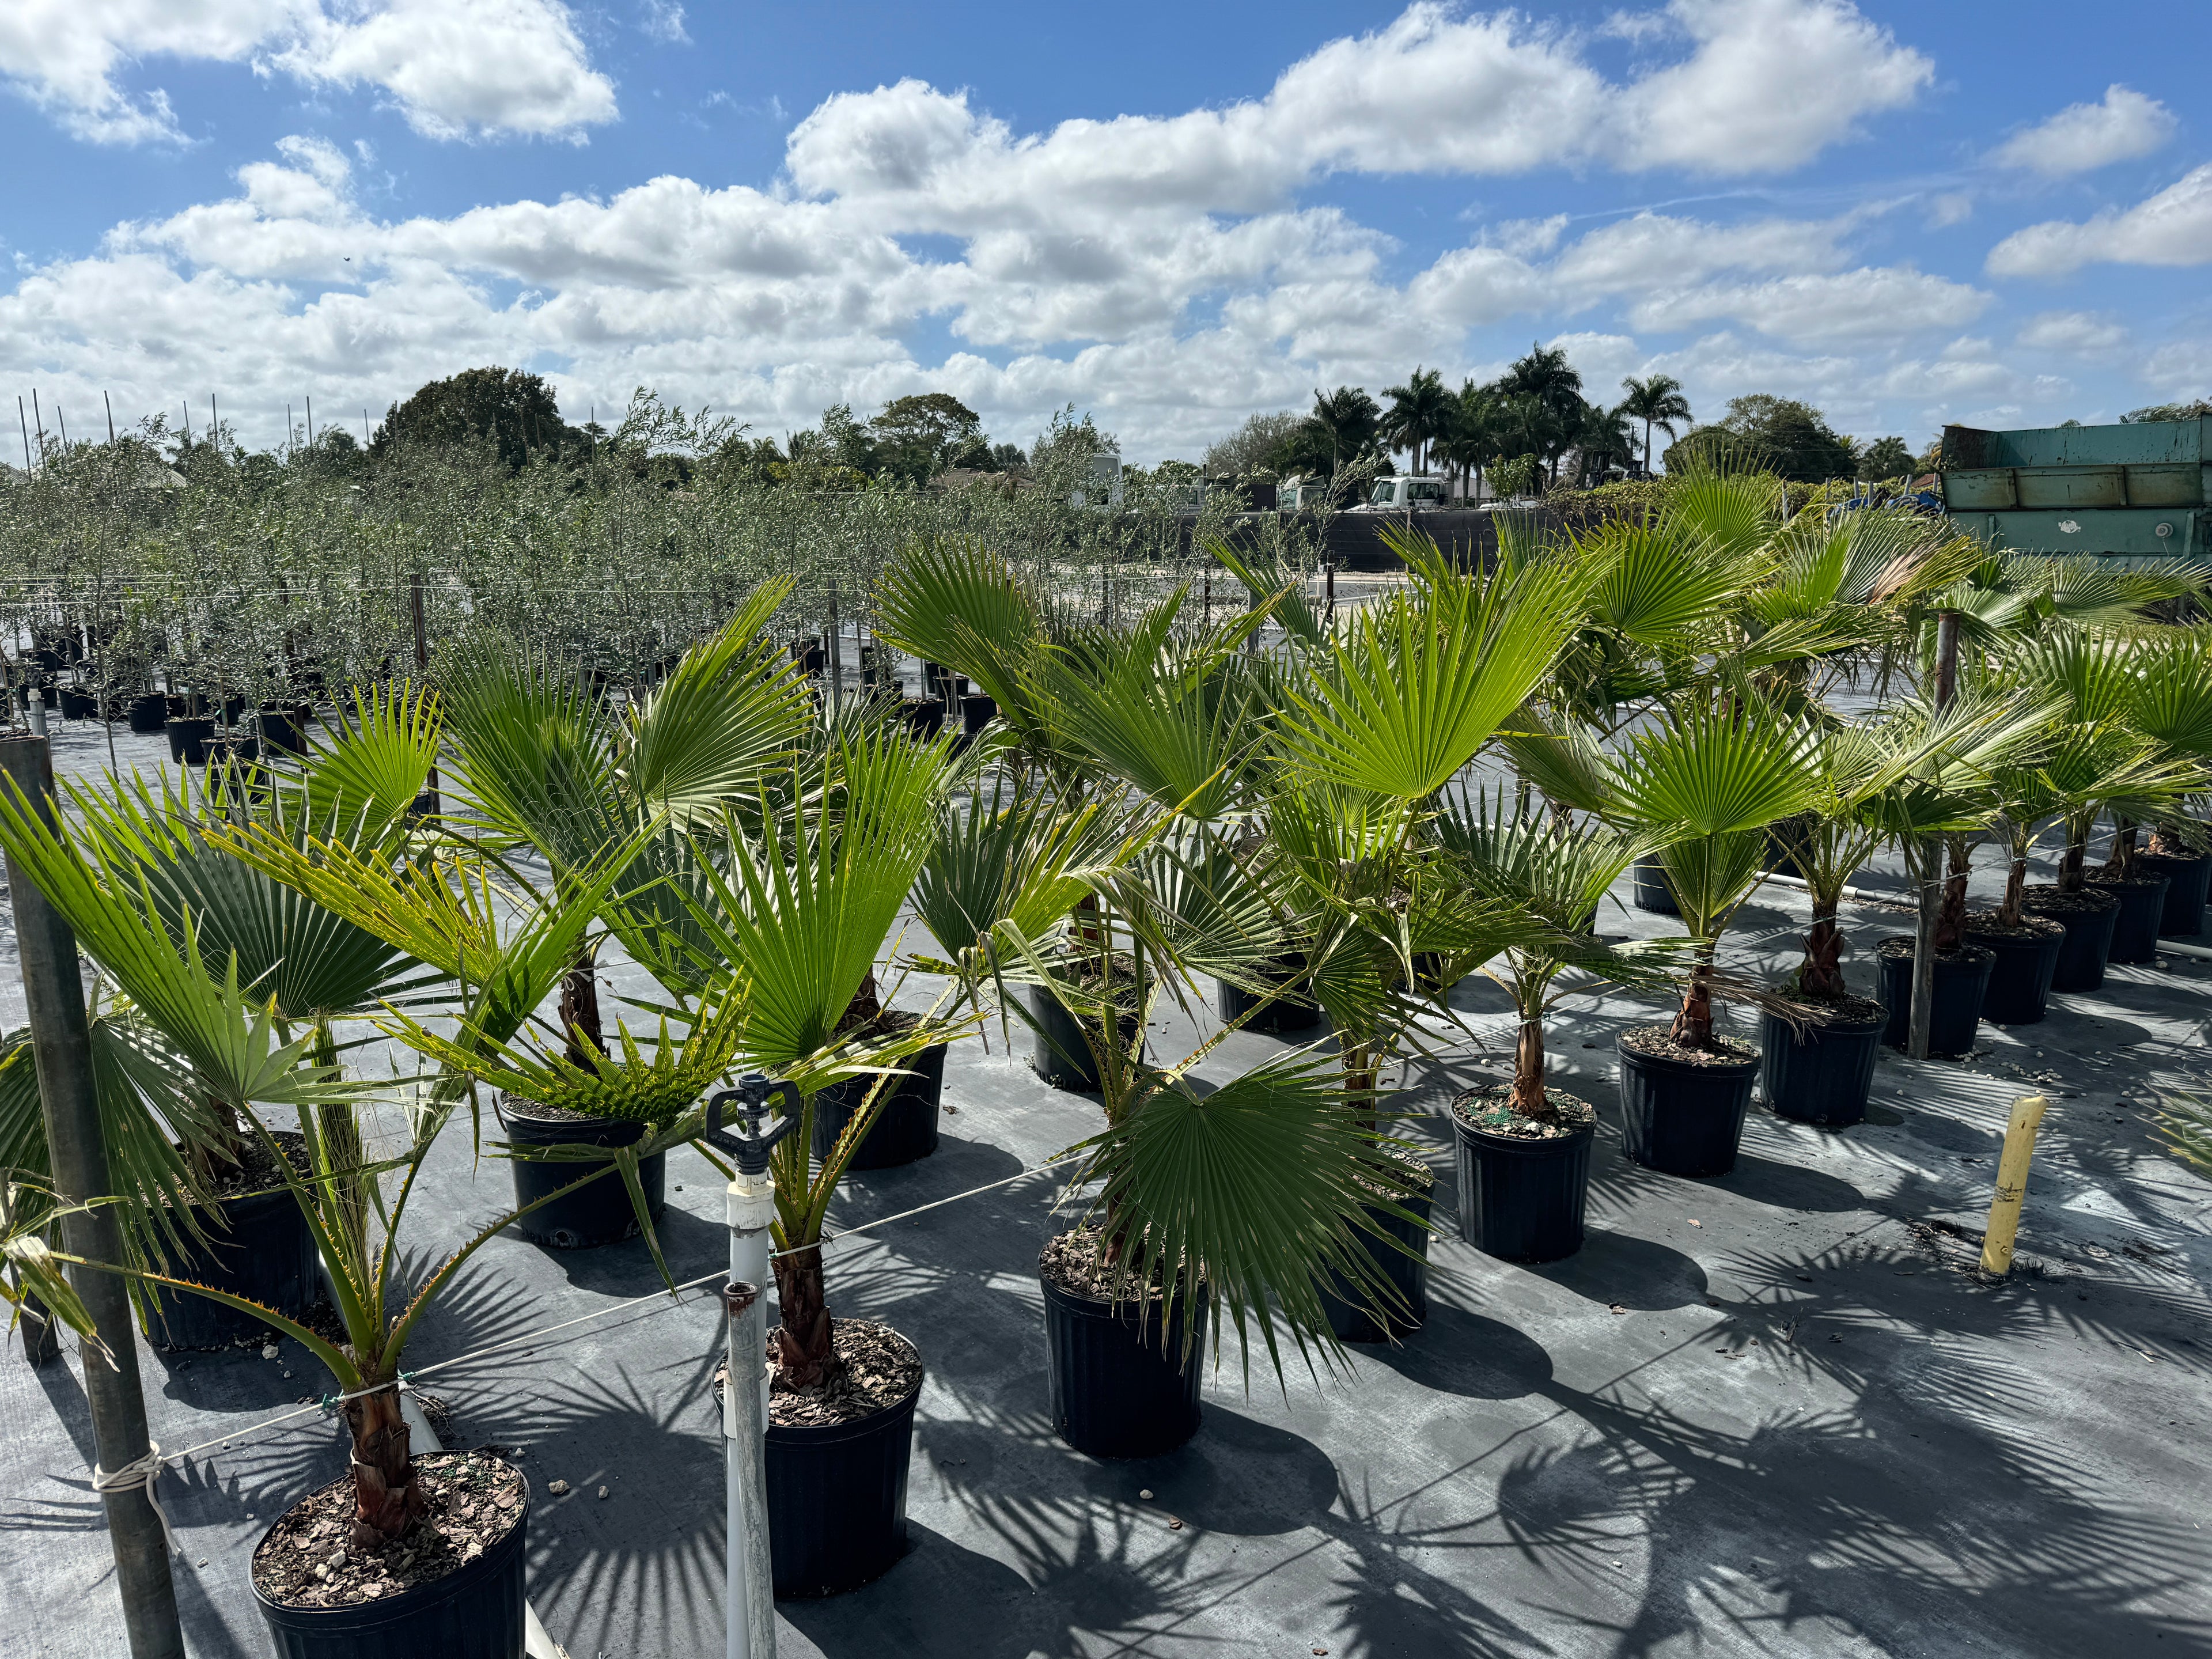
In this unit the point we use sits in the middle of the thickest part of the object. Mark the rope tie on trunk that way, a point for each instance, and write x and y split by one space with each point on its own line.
142 1473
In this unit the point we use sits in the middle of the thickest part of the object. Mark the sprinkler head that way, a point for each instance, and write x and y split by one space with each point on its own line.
751 1097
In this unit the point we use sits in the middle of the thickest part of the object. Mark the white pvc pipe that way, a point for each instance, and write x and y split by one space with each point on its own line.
1861 894
749 1594
2181 950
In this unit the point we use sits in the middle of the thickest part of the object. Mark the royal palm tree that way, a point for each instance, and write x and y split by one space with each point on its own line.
1349 419
1552 386
1420 411
1657 401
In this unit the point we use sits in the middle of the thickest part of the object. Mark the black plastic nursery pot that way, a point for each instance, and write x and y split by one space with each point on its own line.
2187 880
1059 1053
285 727
1350 1315
2018 991
1821 1074
257 1246
1962 978
599 1212
836 1499
976 712
1650 891
78 705
2142 911
924 716
148 713
475 1611
1121 1386
188 738
905 1128
1521 1197
1683 1117
2088 917
1285 1013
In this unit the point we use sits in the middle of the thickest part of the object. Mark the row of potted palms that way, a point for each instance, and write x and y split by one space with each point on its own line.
1323 818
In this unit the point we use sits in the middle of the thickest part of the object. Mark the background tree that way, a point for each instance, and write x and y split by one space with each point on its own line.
1257 446
1420 411
511 408
1348 420
1885 457
1605 437
918 436
1657 401
2196 410
1549 392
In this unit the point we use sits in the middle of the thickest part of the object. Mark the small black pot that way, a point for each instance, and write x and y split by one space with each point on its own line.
1122 1387
265 1251
475 1611
1681 1118
598 1213
1283 1014
1521 1199
837 1500
2019 992
1349 1315
976 712
2187 880
1961 980
1059 1053
924 716
285 728
188 738
812 659
2142 911
149 712
905 1128
2089 936
78 705
234 710
1651 892
1821 1075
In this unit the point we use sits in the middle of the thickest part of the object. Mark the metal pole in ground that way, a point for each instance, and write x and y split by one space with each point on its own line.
77 1152
749 1204
1931 879
427 800
836 655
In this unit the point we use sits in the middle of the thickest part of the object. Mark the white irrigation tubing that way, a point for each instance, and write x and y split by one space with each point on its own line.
321 1407
1857 895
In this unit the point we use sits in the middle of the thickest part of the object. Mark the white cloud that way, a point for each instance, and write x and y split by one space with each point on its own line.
662 20
1871 303
452 67
2080 332
2173 227
2082 138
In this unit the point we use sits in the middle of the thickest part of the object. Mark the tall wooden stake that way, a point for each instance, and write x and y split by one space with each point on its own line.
53 993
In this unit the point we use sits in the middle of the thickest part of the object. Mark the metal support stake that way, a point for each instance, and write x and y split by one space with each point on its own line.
77 1150
836 655
2012 1184
1933 879
427 802
37 711
748 1205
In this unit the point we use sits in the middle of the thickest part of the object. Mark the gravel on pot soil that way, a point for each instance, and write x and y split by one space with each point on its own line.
1848 1010
1899 947
2030 926
875 1367
1658 1042
539 1111
1489 1108
2057 902
309 1561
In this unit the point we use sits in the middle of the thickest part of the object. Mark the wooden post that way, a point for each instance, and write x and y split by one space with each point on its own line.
2012 1184
53 992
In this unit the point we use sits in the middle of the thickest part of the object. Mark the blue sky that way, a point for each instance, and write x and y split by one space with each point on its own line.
1171 215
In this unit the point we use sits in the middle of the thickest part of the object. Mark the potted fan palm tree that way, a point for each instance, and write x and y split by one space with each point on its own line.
1705 785
1524 1148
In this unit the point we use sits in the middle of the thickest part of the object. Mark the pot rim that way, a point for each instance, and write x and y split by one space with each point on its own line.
387 1609
1692 1068
1524 1146
831 1434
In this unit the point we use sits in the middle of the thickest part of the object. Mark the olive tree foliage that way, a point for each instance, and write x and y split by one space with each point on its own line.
191 564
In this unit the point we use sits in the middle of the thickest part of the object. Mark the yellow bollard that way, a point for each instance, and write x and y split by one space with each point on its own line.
2012 1184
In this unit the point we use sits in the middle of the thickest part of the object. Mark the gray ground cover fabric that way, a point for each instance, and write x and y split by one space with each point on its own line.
1763 1415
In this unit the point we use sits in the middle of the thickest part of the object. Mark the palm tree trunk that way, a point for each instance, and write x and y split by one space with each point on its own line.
2070 872
2121 865
2015 891
386 1501
1529 1096
800 1346
1821 974
1693 1024
1951 918
580 1011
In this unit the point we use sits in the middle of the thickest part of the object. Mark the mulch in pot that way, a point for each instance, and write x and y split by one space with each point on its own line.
308 1559
1658 1042
1489 1108
1071 1260
1987 924
877 1367
2058 901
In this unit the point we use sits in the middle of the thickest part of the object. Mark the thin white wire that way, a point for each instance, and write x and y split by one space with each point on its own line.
321 1407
